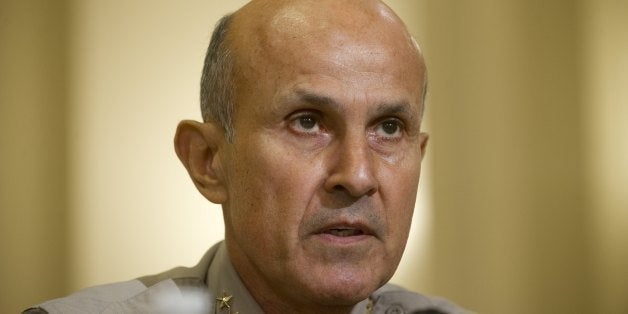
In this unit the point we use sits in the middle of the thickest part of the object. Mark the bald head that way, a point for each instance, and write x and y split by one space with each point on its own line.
270 32
297 19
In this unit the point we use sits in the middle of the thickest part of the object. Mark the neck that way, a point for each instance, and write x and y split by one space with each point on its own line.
273 305
274 299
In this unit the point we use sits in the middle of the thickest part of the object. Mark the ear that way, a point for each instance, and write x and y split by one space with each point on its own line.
423 139
197 146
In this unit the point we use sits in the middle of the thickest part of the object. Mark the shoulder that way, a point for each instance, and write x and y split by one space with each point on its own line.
91 300
394 299
167 296
178 288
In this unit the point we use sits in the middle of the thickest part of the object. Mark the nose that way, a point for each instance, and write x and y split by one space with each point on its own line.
352 168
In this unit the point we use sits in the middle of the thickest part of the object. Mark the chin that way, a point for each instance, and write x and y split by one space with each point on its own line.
346 290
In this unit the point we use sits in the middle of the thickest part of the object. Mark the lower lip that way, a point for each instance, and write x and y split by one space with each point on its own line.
338 240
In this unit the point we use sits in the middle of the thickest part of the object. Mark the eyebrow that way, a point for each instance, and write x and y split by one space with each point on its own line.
384 108
318 100
402 107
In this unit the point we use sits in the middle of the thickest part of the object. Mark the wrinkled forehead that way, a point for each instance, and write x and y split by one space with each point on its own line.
341 38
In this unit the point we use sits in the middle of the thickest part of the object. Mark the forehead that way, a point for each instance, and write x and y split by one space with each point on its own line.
354 51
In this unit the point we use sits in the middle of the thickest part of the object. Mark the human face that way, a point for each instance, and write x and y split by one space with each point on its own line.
323 173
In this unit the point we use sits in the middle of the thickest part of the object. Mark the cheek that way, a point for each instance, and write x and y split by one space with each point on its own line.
274 189
399 189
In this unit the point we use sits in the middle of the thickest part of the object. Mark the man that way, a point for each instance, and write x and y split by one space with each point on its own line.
311 141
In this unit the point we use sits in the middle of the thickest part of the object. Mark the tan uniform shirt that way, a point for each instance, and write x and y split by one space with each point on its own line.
213 286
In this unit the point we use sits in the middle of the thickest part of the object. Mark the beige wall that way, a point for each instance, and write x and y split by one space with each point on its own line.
33 173
606 112
507 115
522 209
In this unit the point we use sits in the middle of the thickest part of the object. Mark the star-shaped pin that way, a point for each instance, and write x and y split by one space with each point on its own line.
224 301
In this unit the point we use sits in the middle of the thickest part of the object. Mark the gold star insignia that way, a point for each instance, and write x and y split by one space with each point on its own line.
224 302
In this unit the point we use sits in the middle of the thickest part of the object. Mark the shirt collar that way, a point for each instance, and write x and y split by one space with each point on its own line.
223 280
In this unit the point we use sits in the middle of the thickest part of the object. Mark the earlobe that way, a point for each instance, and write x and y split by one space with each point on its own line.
197 145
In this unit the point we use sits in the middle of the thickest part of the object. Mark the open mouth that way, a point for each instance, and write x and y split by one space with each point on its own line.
344 232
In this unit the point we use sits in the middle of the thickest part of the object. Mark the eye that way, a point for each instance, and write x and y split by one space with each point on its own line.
305 123
390 129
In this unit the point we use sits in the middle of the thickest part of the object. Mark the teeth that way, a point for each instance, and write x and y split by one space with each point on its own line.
344 232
